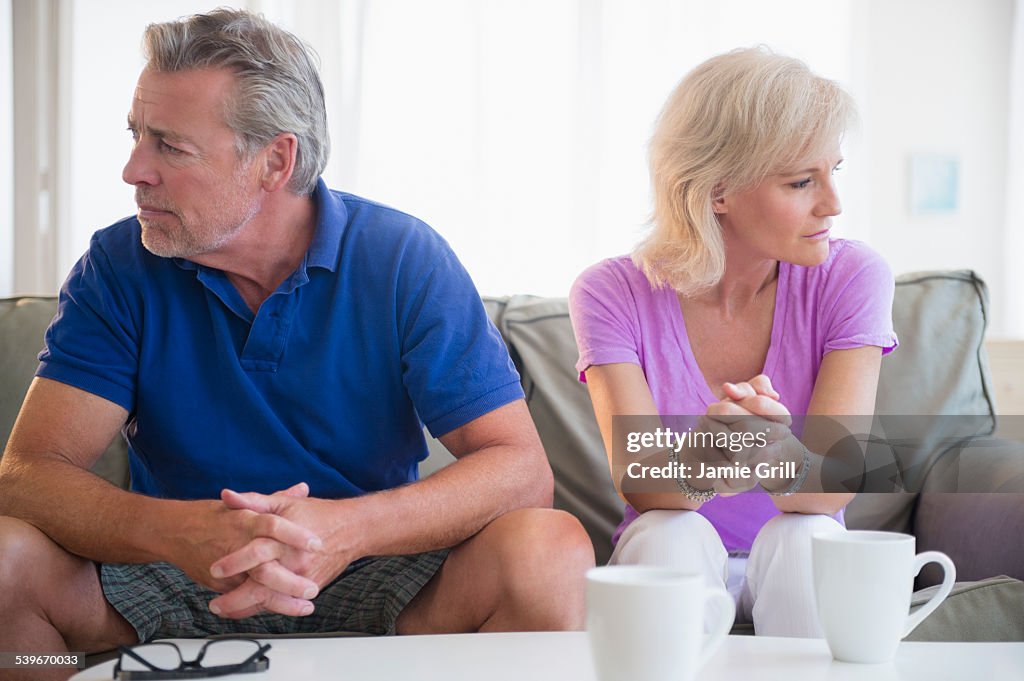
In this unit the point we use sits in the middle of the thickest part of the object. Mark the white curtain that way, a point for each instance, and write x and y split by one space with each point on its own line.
1013 253
518 130
6 160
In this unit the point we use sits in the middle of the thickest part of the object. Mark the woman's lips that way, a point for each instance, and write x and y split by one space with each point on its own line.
818 235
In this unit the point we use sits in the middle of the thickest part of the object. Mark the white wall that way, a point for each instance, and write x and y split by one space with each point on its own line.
519 131
6 159
936 77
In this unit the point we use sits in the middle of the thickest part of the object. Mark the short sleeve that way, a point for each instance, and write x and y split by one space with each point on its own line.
603 311
455 364
858 301
92 342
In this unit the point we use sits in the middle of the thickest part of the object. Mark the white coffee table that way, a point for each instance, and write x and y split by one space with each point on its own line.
564 656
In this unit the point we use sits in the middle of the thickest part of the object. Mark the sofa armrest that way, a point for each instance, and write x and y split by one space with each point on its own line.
972 508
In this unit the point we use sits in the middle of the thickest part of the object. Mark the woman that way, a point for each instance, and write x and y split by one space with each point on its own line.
739 303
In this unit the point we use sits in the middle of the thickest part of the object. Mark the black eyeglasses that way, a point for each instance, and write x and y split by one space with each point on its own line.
219 657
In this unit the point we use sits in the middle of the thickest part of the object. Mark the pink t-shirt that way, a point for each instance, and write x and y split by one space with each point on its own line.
846 302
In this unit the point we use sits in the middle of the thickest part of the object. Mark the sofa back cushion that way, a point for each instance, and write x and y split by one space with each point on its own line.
540 337
23 322
932 389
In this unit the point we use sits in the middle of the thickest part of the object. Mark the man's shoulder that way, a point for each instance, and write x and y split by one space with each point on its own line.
118 249
377 233
122 237
364 213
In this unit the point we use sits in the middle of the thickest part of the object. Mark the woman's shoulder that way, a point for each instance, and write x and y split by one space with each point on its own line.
617 267
848 259
852 282
850 253
617 274
615 285
621 268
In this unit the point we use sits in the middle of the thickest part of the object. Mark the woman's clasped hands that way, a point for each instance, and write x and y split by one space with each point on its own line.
752 434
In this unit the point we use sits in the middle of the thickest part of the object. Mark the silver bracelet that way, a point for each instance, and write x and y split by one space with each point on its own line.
801 476
688 490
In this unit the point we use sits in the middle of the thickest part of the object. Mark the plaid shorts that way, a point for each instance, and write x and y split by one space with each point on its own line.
160 601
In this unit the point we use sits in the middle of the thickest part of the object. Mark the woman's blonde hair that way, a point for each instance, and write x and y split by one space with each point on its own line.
731 122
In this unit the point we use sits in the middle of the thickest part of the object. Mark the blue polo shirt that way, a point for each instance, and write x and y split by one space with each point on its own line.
377 332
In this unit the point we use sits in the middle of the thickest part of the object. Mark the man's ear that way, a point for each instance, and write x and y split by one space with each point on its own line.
279 161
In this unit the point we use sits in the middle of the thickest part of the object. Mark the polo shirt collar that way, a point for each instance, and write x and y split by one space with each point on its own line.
331 218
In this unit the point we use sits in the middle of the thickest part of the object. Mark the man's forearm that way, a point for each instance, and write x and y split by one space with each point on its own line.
446 508
82 512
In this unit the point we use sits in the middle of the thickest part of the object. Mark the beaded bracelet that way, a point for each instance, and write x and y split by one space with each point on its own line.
688 490
801 476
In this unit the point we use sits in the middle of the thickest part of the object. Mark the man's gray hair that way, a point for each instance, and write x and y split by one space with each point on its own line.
278 88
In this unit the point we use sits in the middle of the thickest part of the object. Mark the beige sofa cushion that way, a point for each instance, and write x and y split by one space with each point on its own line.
986 610
938 369
542 342
23 322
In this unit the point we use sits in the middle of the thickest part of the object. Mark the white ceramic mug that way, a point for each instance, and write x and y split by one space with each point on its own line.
863 582
647 623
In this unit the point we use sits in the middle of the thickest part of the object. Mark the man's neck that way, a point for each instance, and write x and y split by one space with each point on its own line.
268 249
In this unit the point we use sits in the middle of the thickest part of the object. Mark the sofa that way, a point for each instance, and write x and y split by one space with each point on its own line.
954 487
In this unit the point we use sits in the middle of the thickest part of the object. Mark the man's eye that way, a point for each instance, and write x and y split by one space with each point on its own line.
134 133
801 184
169 149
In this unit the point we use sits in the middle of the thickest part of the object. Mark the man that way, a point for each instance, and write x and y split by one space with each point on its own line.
269 348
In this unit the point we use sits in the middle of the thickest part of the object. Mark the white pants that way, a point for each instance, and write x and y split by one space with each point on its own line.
773 587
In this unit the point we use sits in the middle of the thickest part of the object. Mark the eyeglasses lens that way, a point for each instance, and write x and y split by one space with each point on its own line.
227 652
160 655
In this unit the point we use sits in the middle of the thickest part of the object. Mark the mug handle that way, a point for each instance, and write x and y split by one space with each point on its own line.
948 577
721 628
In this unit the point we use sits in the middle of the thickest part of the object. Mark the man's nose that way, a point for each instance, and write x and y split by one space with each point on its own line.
140 168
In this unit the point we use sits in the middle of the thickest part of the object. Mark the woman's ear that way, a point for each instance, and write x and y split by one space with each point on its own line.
718 200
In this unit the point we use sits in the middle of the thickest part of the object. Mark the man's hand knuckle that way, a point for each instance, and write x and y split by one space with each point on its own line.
260 573
268 524
265 551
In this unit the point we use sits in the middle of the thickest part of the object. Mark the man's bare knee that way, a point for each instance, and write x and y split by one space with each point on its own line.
23 550
541 556
522 572
545 544
51 597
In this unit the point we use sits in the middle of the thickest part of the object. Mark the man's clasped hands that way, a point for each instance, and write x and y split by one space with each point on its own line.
265 552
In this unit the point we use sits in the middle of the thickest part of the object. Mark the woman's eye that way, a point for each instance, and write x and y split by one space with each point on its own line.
801 184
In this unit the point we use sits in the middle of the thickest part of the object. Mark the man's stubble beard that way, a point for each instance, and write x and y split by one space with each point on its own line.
187 239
